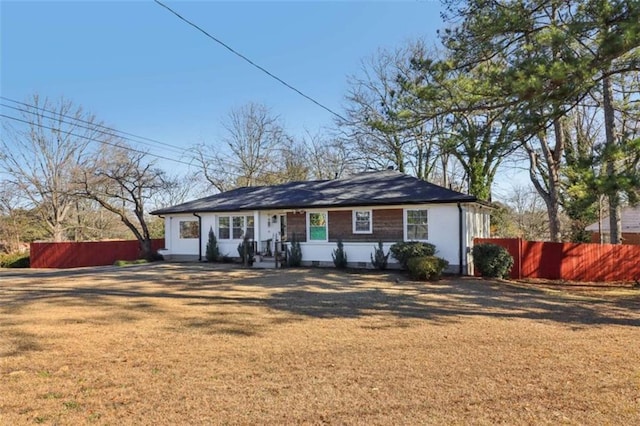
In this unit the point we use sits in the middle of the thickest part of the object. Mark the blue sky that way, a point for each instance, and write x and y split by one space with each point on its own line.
141 70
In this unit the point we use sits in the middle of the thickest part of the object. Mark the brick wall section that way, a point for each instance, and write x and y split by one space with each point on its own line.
387 226
297 223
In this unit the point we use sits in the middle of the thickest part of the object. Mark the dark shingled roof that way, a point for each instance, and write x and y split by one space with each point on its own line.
363 189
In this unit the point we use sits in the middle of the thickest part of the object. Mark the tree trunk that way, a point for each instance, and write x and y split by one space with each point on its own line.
613 194
146 251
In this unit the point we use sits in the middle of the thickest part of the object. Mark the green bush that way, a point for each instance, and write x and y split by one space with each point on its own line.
14 260
130 262
378 258
212 253
492 260
294 252
339 256
426 267
245 248
402 252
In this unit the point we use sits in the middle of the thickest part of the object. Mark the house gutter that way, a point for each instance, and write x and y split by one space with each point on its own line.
460 245
199 236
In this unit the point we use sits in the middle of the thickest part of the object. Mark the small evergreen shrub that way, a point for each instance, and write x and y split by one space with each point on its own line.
492 260
402 252
213 252
14 260
426 268
339 256
378 258
294 252
245 248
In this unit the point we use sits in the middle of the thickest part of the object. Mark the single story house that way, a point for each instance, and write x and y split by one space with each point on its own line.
360 209
630 218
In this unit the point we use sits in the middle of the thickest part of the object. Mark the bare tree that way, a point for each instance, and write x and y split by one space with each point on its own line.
252 152
328 158
122 181
376 124
43 151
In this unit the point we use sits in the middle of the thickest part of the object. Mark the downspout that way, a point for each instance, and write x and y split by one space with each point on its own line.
199 236
460 245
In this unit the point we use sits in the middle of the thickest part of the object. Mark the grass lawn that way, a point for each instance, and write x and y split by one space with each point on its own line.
201 344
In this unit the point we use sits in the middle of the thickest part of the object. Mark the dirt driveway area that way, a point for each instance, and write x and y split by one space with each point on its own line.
202 344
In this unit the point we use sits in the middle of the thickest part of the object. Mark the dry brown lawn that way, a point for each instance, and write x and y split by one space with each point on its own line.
201 344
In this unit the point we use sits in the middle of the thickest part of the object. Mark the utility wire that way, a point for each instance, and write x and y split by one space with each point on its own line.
243 57
42 126
111 129
93 127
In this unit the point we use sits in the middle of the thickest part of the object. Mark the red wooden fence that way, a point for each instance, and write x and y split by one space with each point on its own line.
571 261
89 253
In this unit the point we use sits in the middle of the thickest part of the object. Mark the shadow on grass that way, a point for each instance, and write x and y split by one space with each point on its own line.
313 293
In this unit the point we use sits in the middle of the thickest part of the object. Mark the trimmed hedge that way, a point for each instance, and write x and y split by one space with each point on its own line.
402 252
426 267
492 260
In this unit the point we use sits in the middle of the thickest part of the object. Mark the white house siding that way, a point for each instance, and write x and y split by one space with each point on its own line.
443 232
179 248
477 225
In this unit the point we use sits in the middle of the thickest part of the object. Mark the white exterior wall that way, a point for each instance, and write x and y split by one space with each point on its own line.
443 232
356 252
175 245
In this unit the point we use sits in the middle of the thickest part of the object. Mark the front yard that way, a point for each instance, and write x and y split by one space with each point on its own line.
198 344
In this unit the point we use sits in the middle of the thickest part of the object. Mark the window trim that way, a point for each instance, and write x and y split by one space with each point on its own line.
406 223
353 221
326 227
230 227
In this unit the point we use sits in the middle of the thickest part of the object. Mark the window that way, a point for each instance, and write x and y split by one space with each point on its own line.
238 227
189 229
317 227
362 222
249 231
416 222
223 228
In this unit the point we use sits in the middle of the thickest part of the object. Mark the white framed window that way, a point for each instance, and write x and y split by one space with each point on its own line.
236 227
189 229
362 222
317 228
224 228
416 225
249 230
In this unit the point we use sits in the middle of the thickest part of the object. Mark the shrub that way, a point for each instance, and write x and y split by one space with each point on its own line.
294 252
339 256
15 260
402 252
492 260
426 267
245 249
378 258
213 253
130 262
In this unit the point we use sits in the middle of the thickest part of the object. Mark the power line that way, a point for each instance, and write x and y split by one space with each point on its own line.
42 126
111 129
243 57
